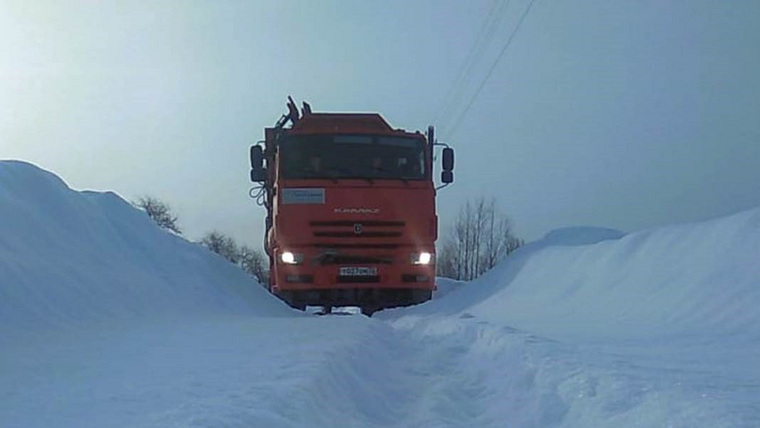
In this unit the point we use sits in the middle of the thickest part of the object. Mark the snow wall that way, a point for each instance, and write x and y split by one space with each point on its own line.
699 280
68 258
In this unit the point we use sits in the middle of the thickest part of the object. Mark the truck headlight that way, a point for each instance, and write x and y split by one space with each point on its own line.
291 258
422 258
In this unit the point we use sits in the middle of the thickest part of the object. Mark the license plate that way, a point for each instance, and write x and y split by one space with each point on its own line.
358 271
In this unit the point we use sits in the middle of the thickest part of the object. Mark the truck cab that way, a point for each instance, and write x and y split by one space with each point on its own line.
351 218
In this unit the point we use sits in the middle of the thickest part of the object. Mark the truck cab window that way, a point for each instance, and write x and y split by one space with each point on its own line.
353 156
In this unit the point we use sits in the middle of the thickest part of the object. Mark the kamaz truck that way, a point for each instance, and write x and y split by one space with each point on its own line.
350 209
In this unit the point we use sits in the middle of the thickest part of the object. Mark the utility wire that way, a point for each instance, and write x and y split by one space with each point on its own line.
467 77
490 71
485 36
487 22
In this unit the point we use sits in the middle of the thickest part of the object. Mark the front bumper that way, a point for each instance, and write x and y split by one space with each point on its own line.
317 272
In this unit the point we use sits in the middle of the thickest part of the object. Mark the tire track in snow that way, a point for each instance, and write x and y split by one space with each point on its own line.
393 378
495 376
487 378
435 372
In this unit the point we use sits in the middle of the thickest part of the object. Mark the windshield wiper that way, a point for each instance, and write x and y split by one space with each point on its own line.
305 173
390 177
349 174
358 173
334 176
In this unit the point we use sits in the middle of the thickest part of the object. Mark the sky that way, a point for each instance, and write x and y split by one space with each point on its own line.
621 114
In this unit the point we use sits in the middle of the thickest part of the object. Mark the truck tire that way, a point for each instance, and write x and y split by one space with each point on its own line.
369 310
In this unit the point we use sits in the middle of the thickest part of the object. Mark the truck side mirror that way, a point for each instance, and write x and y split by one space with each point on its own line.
258 172
447 177
448 160
257 157
258 175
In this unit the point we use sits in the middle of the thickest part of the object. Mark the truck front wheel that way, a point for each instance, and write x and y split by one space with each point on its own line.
369 310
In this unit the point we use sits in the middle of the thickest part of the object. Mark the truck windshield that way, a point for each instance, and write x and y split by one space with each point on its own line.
352 156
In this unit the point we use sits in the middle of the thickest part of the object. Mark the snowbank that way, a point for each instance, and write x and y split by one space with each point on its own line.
444 286
71 258
699 280
458 296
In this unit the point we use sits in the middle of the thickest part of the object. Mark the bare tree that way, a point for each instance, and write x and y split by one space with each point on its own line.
254 263
480 238
446 260
160 212
223 245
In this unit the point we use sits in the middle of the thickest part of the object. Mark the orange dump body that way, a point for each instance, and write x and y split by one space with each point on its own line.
352 238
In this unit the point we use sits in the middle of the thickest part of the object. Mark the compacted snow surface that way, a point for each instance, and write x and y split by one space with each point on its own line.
108 321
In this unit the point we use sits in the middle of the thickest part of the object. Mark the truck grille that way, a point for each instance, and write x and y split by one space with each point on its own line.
359 246
341 234
360 229
351 223
350 259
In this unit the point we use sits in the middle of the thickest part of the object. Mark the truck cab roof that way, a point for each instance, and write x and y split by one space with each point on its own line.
345 123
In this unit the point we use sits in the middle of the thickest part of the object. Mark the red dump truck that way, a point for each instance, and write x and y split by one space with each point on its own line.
350 204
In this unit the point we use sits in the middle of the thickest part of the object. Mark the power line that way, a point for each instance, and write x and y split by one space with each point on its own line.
485 36
487 22
490 71
465 83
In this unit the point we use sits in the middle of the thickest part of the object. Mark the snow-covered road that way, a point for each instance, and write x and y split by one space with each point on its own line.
107 321
409 371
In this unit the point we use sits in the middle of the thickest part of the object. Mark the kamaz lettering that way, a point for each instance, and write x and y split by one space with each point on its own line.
357 210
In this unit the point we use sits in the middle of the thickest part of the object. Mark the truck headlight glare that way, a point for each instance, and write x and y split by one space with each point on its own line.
421 258
291 259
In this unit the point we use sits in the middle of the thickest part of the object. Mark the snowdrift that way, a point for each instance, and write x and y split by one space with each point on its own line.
69 258
698 280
